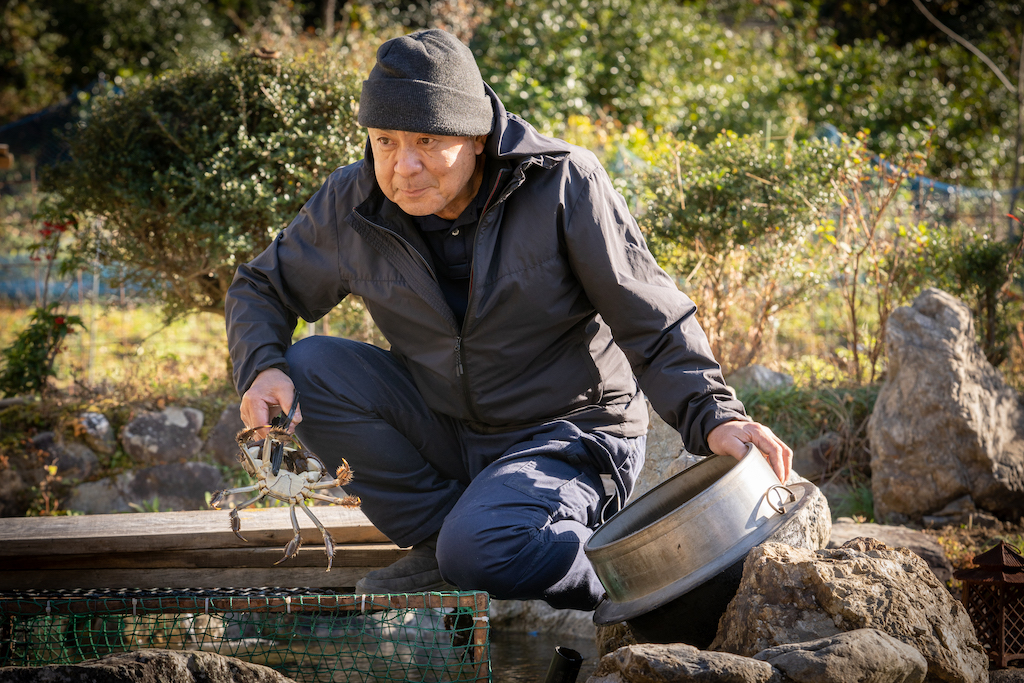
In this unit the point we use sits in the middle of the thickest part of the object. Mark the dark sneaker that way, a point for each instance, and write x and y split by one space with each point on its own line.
416 572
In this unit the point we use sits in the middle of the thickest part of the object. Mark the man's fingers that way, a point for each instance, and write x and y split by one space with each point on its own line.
731 438
778 454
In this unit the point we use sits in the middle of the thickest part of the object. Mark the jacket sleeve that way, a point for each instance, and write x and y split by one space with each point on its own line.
651 320
297 276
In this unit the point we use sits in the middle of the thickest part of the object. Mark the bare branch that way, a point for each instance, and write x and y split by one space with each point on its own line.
963 41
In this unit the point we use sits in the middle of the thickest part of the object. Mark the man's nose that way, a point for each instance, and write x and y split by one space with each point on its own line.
408 162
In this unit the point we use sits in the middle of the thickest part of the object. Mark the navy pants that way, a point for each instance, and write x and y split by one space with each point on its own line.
513 509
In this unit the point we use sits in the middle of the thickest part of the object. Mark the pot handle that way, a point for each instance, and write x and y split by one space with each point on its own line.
780 507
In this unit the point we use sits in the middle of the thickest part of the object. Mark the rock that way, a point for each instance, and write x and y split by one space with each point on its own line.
758 378
610 637
678 663
792 595
945 424
220 443
1006 676
524 616
168 436
174 486
12 493
95 430
818 456
921 544
866 655
148 666
961 511
74 461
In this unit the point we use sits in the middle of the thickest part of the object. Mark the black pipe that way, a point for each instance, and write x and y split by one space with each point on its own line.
565 666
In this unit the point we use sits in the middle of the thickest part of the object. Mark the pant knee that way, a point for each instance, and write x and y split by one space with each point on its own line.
476 555
510 561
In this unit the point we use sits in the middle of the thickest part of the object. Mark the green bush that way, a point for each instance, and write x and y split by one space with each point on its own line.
29 360
734 221
985 273
194 172
658 62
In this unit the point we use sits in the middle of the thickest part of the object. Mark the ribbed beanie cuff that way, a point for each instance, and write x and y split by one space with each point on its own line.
426 82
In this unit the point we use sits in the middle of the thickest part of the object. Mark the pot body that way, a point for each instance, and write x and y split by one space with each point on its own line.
686 530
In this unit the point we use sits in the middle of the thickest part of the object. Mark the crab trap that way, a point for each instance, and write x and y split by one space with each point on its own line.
306 635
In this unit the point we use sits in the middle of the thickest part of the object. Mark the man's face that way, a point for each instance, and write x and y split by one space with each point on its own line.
427 174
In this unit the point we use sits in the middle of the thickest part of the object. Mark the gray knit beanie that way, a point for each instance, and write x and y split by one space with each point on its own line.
426 82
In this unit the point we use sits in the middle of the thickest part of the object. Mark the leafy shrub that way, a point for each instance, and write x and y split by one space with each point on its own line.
29 360
985 273
657 61
195 171
733 221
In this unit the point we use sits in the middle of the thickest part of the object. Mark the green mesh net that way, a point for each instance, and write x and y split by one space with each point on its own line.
304 635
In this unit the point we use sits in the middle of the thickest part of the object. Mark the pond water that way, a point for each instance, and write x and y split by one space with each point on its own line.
525 657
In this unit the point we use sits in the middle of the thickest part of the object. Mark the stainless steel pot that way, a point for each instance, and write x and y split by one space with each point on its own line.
686 530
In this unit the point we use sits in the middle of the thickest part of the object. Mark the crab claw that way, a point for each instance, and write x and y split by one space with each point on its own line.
217 499
236 525
292 549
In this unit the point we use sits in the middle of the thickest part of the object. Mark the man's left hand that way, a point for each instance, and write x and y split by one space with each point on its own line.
731 438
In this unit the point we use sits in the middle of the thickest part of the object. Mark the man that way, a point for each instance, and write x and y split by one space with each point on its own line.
524 314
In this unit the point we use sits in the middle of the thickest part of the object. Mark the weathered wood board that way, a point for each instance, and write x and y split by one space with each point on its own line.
186 530
190 549
340 578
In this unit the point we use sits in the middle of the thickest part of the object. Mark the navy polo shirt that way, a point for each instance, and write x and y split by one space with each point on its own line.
451 246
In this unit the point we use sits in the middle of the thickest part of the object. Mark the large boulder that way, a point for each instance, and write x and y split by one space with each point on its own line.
175 486
171 435
866 655
678 663
792 595
148 666
945 424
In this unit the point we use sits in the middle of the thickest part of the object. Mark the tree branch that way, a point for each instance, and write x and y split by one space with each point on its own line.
963 41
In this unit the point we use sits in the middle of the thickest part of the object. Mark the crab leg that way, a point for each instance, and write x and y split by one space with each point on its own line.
292 549
347 501
219 497
328 540
236 523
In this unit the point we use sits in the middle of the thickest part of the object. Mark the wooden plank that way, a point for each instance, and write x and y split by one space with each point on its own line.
189 529
363 555
342 579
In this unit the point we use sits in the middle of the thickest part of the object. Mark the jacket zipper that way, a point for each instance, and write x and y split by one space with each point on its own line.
459 370
469 297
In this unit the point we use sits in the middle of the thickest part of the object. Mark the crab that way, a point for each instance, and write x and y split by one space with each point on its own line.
284 469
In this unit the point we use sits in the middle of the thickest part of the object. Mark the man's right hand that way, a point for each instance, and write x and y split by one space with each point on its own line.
271 389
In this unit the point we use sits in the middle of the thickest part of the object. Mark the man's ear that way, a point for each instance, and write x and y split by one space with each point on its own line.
478 143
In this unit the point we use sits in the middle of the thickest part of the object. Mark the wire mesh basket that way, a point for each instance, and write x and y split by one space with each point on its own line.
305 635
